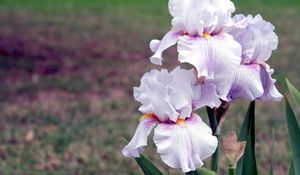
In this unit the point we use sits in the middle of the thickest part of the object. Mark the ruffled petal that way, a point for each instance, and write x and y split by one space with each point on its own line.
158 47
270 91
247 84
185 145
216 58
178 7
205 95
198 16
256 37
136 146
153 93
181 92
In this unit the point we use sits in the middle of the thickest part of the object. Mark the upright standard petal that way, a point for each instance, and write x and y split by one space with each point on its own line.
181 91
153 93
198 16
158 47
256 37
167 95
136 146
186 144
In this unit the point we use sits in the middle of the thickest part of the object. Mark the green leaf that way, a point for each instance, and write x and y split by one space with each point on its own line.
272 152
292 169
294 92
248 133
147 166
294 133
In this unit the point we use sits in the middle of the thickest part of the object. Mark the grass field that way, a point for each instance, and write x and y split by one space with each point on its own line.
67 69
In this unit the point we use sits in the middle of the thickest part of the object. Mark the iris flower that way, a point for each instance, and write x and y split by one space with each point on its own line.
199 29
168 100
253 79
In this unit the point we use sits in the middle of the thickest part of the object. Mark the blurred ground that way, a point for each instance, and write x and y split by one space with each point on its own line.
67 69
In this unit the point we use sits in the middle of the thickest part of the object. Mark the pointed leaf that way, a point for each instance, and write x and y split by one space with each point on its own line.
147 166
248 133
292 169
294 133
294 92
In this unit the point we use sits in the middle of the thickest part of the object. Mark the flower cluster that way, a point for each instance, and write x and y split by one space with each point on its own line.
229 57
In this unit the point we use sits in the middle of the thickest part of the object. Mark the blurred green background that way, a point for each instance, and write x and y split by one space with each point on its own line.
67 68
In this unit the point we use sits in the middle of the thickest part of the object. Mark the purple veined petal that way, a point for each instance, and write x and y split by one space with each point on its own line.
229 59
270 91
136 146
205 95
216 58
194 50
247 83
185 145
167 41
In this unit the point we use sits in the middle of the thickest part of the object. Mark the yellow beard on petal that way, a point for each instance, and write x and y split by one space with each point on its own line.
206 35
148 116
181 121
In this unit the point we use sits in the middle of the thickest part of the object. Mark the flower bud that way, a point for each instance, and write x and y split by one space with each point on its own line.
233 149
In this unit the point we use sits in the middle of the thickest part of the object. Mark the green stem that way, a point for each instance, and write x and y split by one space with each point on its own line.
231 171
216 158
213 125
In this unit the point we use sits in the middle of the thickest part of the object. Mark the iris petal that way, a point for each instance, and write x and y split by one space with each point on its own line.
136 146
270 91
185 145
158 47
247 83
216 58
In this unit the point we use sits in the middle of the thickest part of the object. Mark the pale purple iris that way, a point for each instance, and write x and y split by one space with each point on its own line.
253 78
202 41
168 101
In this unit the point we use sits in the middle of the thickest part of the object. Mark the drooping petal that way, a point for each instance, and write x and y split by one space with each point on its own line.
167 41
154 45
270 91
254 81
185 145
216 58
136 146
247 83
205 95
